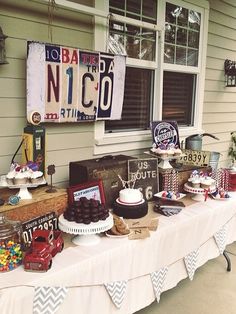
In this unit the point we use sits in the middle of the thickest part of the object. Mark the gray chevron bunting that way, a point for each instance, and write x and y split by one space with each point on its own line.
158 279
47 300
191 263
220 238
117 290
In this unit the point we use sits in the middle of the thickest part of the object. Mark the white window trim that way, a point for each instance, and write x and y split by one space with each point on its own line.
123 141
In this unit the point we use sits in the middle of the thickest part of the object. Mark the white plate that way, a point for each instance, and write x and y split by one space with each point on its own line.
129 204
116 236
166 198
221 199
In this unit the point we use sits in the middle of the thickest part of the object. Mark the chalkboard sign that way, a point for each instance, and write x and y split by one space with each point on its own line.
146 173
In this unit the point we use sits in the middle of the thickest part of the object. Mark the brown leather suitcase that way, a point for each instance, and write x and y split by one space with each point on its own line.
106 168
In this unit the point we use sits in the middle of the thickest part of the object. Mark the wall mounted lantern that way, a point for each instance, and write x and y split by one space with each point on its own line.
2 48
230 73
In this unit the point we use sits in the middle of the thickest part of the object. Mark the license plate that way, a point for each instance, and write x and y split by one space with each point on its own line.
195 157
45 222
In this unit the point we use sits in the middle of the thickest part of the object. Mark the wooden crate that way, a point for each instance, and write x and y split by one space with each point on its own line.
184 173
41 204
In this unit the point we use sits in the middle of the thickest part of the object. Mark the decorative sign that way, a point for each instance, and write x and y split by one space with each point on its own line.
165 133
90 189
195 157
45 222
70 85
146 173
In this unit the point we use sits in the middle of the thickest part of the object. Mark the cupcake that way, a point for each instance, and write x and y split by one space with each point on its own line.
177 152
10 177
37 177
170 152
196 183
206 182
21 177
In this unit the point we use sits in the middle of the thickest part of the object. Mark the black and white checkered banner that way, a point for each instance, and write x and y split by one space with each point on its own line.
117 291
158 279
190 261
220 238
47 300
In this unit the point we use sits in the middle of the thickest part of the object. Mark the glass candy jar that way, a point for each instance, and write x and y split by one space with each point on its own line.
10 244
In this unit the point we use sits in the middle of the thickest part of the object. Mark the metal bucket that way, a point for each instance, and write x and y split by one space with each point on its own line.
194 143
214 159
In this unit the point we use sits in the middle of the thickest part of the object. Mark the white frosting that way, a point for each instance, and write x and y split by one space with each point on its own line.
207 181
11 175
36 174
21 175
130 196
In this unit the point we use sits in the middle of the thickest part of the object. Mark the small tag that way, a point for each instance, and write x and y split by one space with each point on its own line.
139 233
153 225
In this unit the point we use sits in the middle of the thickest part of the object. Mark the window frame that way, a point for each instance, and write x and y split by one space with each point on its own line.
129 140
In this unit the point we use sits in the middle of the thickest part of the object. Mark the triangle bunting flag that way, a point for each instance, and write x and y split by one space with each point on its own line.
191 263
158 279
117 290
47 300
220 238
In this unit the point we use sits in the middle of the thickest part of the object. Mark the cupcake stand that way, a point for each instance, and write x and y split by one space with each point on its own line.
23 193
85 234
164 162
199 193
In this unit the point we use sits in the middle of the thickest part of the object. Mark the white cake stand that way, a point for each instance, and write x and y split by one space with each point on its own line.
164 161
85 234
199 193
23 193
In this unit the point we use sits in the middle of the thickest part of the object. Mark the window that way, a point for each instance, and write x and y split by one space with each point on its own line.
178 97
182 30
138 43
136 114
166 51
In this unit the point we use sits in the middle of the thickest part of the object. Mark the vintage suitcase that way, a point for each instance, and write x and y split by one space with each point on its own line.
106 168
184 173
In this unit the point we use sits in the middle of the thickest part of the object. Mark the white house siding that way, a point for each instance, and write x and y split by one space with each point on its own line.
219 110
23 20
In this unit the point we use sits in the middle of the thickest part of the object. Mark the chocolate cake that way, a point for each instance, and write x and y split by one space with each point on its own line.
86 211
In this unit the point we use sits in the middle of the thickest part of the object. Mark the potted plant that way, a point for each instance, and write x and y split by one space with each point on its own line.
232 150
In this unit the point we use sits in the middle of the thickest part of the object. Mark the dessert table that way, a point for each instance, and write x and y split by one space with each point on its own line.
120 275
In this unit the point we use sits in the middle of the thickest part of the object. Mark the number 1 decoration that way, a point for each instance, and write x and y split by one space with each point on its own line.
71 85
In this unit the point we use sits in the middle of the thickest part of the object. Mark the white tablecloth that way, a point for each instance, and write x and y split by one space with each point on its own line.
85 270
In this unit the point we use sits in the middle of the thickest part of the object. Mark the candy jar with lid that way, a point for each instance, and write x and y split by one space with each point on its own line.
10 244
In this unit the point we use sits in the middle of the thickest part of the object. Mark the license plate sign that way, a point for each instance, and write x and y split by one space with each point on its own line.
195 157
45 222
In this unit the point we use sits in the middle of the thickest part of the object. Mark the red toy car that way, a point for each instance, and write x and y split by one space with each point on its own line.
44 246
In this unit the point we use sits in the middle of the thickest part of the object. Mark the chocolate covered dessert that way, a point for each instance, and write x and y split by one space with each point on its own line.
86 211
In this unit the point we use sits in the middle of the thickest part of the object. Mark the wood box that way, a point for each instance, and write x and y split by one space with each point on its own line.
107 168
184 173
40 204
